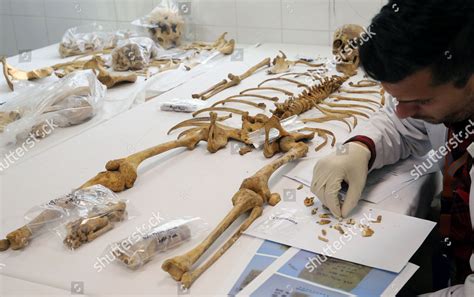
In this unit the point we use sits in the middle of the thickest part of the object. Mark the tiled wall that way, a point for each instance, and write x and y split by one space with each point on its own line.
31 24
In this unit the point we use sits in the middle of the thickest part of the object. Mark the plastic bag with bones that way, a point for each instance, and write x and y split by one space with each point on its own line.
69 101
134 54
90 38
165 24
346 40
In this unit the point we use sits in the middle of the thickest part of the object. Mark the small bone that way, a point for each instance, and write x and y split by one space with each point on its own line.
245 150
378 220
339 228
323 239
367 232
324 222
309 201
351 222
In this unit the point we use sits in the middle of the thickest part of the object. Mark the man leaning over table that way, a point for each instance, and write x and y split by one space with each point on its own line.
423 53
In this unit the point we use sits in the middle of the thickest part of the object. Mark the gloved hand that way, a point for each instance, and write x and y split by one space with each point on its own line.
349 165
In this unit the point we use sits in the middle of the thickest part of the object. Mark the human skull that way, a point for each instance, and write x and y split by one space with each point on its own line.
168 27
345 48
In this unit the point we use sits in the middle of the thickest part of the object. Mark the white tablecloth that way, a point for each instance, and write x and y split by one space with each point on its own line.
179 183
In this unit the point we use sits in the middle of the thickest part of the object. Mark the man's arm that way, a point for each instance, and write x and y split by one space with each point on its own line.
391 139
383 140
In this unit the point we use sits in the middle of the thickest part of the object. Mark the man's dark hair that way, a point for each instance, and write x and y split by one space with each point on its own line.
409 35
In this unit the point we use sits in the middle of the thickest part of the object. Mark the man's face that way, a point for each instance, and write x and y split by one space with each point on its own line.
419 99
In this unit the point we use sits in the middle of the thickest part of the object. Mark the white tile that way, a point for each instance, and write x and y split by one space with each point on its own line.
106 25
7 37
30 32
215 13
306 37
211 33
258 13
5 7
27 7
305 14
125 25
62 8
258 35
98 9
58 26
358 12
129 10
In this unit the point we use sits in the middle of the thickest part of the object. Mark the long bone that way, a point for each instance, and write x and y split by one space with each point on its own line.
233 80
121 174
225 109
219 84
337 98
274 99
364 83
256 105
252 195
288 93
297 83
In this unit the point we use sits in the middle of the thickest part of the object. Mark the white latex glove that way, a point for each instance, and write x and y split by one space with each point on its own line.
349 164
466 290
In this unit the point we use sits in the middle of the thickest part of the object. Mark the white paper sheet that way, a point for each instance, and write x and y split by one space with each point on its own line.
381 183
395 239
277 270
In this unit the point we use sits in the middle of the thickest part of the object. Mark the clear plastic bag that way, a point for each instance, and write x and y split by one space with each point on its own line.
55 213
139 249
36 111
282 221
94 211
134 54
167 24
90 38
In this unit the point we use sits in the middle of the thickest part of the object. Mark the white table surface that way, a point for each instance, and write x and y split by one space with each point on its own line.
178 183
117 100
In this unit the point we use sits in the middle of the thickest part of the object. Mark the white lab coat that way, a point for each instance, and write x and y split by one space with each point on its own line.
396 139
